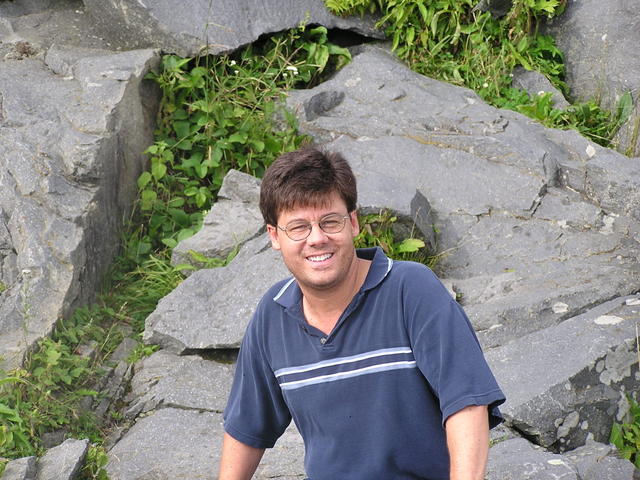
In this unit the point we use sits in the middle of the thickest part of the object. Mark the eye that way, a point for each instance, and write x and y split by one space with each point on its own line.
297 227
332 222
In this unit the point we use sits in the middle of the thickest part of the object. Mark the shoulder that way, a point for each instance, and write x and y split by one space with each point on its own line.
419 283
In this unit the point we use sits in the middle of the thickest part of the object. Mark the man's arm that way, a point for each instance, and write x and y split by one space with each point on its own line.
468 442
238 461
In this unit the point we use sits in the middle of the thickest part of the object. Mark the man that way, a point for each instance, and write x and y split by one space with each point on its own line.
375 362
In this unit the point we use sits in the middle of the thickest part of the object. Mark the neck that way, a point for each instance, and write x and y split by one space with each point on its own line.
322 308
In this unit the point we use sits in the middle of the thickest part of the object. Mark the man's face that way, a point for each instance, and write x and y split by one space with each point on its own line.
322 261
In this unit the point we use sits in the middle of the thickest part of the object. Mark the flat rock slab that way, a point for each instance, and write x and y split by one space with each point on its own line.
73 125
212 308
167 380
517 459
173 444
589 364
216 26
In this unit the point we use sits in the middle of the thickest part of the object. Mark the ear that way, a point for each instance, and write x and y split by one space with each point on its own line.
273 236
355 226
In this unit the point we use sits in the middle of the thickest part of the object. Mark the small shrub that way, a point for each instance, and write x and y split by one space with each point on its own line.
626 436
381 230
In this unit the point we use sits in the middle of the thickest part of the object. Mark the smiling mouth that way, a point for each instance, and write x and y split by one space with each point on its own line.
320 258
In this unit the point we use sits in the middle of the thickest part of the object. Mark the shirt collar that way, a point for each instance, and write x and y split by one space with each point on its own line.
291 295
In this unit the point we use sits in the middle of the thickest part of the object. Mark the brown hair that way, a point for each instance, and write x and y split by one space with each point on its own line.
303 178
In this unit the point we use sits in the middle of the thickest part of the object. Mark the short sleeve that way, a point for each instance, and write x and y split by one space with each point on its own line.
256 413
447 350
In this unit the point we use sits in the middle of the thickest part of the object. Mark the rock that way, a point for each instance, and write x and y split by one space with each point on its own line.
517 459
116 379
20 469
233 219
580 394
39 24
211 309
599 41
178 444
498 8
64 461
167 380
597 461
534 83
70 152
214 26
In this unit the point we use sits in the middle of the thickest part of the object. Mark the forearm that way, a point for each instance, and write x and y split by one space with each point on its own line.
238 461
468 443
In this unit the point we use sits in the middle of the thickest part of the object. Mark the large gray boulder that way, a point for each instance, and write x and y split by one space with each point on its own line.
177 404
206 26
73 125
590 366
600 44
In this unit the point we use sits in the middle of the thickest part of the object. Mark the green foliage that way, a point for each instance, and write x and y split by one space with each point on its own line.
451 41
45 395
382 230
219 113
626 436
3 287
588 118
94 464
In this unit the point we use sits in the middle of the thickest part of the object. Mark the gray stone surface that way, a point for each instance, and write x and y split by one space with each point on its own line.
20 469
589 364
600 43
167 380
534 83
597 461
173 444
64 461
517 459
220 25
233 219
71 145
36 25
211 309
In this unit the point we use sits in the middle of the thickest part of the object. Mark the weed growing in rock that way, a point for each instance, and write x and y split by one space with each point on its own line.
452 40
626 436
383 230
219 113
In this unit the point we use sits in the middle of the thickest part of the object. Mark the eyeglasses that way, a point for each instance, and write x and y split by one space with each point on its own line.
298 230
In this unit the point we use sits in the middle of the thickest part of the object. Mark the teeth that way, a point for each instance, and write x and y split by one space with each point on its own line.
320 258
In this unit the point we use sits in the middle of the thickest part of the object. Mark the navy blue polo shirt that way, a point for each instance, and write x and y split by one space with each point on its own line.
371 398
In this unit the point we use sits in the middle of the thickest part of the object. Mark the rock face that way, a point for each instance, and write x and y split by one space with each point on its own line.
73 124
217 26
600 42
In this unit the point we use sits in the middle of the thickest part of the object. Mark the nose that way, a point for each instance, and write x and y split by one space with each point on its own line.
317 235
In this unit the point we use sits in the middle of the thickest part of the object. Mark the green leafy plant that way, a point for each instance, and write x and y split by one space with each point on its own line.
382 230
94 464
219 113
453 41
626 436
